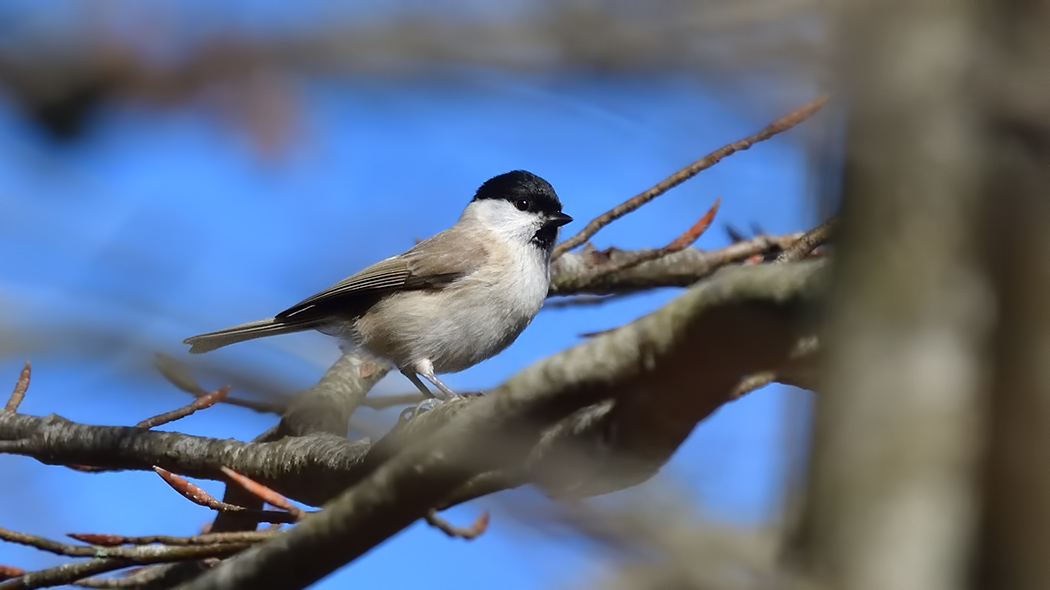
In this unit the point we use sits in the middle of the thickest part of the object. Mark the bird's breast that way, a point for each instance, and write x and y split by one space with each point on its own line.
460 325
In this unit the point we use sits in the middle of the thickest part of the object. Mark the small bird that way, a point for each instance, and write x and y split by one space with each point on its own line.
448 303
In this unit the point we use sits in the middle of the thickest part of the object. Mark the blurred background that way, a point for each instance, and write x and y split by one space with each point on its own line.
170 168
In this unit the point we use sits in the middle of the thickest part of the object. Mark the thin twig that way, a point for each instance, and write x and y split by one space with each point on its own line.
109 540
481 524
256 405
680 243
266 494
178 375
67 573
197 495
205 401
148 576
20 389
809 241
782 124
45 544
583 301
135 553
735 235
136 578
107 559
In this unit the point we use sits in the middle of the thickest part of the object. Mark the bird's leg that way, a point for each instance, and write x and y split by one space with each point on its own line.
425 369
426 405
448 393
415 381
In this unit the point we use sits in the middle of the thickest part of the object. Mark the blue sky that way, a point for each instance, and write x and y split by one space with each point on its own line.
159 225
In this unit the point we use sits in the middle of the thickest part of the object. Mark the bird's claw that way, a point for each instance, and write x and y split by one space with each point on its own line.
423 406
433 403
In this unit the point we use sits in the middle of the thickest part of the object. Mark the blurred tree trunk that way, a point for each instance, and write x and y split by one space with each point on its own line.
939 338
1015 525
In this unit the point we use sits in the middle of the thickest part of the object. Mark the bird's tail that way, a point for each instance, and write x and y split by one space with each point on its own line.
249 331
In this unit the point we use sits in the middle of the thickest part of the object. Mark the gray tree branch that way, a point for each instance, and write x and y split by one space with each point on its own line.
315 467
642 365
299 467
601 416
328 405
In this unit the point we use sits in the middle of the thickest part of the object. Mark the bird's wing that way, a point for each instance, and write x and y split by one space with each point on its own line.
436 261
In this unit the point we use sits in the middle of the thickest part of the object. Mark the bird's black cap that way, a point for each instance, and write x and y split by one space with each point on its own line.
519 184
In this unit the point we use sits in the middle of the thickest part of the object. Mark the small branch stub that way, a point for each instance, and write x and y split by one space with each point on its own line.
475 530
21 386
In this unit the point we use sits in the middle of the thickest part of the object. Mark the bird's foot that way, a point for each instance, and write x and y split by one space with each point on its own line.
423 406
434 403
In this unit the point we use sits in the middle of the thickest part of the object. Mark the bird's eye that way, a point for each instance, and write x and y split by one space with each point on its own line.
522 204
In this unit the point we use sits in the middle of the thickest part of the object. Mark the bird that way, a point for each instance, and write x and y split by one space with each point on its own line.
451 301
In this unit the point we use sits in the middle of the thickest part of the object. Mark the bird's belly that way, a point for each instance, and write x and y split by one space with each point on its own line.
483 321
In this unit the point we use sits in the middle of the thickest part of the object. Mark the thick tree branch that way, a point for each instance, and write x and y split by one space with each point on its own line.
601 416
314 468
304 468
327 406
655 353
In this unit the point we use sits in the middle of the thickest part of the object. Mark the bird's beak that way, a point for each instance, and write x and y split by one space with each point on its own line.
558 219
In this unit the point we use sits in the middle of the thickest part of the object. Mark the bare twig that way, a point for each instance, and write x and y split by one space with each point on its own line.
45 544
7 572
178 375
782 124
136 553
266 494
112 558
680 243
197 495
138 578
109 540
67 573
20 389
735 234
205 401
480 525
582 301
808 242
256 405
158 575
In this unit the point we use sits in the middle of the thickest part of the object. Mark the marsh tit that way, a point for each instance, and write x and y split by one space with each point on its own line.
450 302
